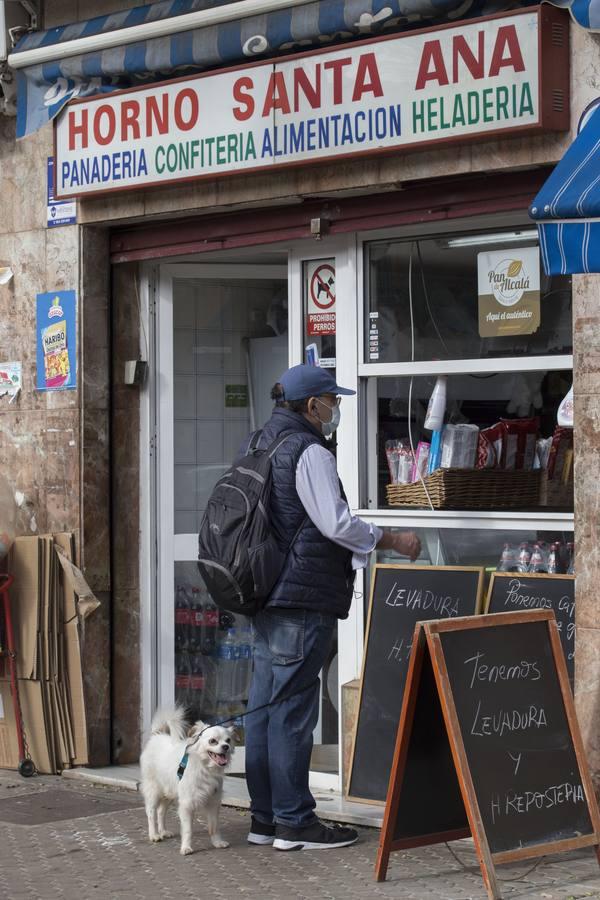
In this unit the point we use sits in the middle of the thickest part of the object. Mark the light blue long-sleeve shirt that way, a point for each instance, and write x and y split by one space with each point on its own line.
318 486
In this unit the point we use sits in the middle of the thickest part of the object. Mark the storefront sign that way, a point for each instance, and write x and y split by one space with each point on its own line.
56 341
509 291
320 276
452 83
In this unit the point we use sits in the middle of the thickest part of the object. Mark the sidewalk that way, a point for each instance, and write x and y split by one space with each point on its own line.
69 839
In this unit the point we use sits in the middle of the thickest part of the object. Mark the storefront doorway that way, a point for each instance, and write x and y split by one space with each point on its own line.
224 330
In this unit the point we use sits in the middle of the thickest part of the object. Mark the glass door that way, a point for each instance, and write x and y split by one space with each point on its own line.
222 343
224 334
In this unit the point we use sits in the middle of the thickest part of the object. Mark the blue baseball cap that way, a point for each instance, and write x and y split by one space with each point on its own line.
301 382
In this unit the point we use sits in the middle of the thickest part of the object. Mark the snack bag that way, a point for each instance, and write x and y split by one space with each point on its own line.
56 355
520 436
489 447
562 443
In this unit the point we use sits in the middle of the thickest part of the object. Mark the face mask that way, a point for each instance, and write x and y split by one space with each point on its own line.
327 428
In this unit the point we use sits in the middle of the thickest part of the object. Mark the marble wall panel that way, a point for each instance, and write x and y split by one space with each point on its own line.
587 695
126 677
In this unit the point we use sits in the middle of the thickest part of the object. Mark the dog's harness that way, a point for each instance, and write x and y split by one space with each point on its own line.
185 758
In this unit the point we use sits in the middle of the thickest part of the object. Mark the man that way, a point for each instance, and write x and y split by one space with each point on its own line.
293 633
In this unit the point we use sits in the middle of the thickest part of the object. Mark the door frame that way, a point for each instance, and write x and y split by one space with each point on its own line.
160 546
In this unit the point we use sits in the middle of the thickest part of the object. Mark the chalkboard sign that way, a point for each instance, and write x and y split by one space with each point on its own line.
512 592
510 730
401 596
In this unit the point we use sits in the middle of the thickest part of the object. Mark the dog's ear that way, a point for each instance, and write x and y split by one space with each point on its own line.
233 733
196 728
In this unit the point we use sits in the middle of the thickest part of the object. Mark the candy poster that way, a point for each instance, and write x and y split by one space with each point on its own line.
56 341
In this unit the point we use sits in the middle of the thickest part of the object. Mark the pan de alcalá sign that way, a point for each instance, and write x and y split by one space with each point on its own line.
453 83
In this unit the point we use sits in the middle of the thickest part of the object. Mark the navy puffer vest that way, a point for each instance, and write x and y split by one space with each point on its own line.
317 573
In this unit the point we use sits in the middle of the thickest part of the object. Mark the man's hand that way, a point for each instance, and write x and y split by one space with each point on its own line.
406 543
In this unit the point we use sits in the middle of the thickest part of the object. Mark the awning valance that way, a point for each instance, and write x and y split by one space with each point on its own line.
567 208
44 87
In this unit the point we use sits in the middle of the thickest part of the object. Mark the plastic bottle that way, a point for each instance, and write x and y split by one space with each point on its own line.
196 616
537 563
524 558
210 624
243 670
182 619
436 409
226 663
182 678
196 692
554 560
508 562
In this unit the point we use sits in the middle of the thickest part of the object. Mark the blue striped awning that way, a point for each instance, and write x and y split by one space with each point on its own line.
567 208
43 90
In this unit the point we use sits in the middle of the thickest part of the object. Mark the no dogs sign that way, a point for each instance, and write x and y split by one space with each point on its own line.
320 283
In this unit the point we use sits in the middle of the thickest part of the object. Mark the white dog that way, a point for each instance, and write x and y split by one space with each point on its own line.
209 750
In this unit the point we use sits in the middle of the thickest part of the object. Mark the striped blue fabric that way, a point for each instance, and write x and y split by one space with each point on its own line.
44 89
567 208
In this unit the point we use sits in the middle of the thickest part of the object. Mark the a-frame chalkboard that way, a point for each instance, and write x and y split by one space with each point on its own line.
515 592
401 596
505 749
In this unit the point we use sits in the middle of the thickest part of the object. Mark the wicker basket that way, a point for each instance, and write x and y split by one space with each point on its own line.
470 489
556 493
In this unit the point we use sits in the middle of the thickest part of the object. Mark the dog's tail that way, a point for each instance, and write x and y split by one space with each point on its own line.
170 720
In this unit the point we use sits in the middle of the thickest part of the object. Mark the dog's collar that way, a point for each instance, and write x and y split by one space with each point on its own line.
182 766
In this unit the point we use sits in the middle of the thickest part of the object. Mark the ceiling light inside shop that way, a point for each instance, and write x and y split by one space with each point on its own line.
506 237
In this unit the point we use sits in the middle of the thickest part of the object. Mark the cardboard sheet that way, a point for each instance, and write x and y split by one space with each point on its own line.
49 599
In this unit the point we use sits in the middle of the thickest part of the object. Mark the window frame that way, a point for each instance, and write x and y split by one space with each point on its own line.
369 372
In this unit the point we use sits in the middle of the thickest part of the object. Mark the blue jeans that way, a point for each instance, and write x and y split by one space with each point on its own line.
291 646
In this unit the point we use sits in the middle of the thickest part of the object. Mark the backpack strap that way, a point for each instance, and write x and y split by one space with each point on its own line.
254 442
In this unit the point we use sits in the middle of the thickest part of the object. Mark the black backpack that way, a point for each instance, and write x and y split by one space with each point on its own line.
238 556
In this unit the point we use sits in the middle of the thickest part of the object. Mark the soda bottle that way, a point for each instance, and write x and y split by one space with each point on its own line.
210 624
182 679
196 685
537 563
196 616
554 559
524 557
182 619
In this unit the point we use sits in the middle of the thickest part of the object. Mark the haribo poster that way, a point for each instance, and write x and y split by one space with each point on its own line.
56 341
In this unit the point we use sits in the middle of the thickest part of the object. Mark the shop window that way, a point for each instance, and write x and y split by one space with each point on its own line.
486 547
512 426
444 307
476 295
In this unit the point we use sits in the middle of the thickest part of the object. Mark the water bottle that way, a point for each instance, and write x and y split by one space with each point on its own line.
226 659
508 562
246 653
242 654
